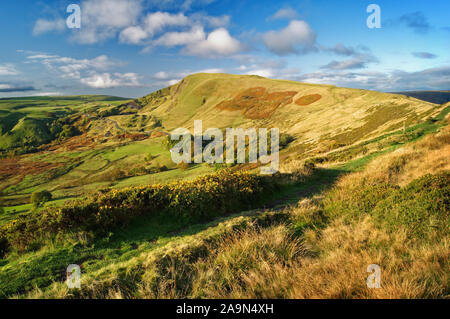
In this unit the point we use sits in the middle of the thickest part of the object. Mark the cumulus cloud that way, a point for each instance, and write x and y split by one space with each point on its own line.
90 72
107 80
284 13
218 43
44 26
161 75
296 38
8 69
102 19
395 81
157 21
192 35
133 35
170 39
424 55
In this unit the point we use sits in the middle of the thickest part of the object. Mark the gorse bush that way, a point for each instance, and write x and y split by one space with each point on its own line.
198 200
40 198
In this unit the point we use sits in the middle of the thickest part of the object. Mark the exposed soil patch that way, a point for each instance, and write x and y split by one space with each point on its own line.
308 99
74 143
257 103
11 167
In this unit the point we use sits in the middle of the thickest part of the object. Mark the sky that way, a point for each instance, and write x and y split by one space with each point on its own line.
130 48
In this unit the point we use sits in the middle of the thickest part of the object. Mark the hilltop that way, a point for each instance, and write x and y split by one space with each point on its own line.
317 116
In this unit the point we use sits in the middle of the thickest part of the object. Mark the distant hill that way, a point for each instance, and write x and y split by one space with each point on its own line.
25 122
438 97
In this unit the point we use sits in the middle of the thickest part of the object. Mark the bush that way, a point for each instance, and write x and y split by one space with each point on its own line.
149 157
183 166
285 140
194 201
40 198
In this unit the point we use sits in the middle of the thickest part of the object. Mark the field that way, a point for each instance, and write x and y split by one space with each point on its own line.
364 179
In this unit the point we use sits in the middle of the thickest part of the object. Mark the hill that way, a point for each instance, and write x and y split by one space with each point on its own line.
73 145
26 122
314 237
438 97
319 117
126 213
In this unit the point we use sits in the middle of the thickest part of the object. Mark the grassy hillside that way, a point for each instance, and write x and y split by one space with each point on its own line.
25 122
391 210
99 142
348 157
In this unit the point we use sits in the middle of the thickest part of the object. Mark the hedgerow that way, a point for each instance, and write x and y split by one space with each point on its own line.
198 200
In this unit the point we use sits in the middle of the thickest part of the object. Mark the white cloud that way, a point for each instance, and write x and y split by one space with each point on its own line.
218 43
170 39
296 38
395 81
172 82
132 35
152 24
8 69
284 13
43 26
107 80
156 22
161 75
47 94
212 70
102 19
72 68
267 73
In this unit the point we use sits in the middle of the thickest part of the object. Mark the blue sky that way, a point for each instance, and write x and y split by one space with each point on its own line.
132 47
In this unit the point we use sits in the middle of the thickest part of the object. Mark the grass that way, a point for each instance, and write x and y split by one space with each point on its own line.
368 202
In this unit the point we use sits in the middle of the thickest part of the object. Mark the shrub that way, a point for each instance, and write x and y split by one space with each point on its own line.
285 140
198 200
149 157
183 166
40 198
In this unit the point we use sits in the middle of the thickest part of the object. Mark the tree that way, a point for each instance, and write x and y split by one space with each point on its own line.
68 131
39 198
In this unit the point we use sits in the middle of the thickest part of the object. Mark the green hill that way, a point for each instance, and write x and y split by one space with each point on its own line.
363 179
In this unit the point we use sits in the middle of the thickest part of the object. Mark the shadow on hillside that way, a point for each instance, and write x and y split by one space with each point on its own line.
322 180
145 229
